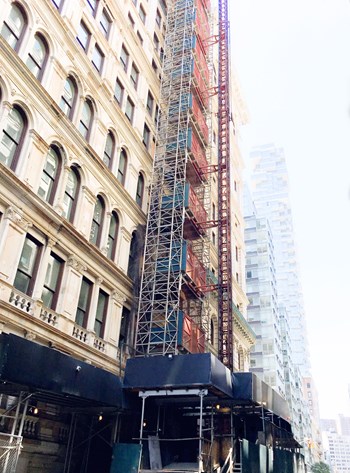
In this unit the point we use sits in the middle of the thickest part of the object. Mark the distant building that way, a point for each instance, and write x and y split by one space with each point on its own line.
337 451
344 425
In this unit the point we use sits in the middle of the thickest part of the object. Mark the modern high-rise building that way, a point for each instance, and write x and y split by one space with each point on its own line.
270 194
272 270
337 451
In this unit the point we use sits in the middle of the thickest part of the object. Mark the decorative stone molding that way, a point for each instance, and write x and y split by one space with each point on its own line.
29 335
125 233
89 194
38 141
13 214
99 281
2 326
118 296
75 264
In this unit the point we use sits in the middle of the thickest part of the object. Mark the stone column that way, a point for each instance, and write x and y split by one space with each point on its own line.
90 326
41 274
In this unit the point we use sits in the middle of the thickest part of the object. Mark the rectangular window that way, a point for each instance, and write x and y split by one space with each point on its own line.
97 58
158 18
101 311
131 21
140 37
83 36
146 136
150 103
134 76
92 4
129 109
142 14
118 92
28 266
82 313
52 281
105 23
237 253
124 58
156 116
156 42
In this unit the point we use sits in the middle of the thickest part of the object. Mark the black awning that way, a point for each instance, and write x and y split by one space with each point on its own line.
201 370
249 389
43 369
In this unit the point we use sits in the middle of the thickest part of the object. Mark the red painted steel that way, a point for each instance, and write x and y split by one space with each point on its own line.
193 337
224 207
198 152
195 270
196 207
200 121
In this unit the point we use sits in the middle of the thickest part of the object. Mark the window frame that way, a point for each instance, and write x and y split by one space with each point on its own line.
101 321
83 27
124 57
105 14
146 135
111 249
19 143
54 180
134 75
85 129
71 107
41 68
122 90
121 172
106 156
140 189
19 39
34 269
101 56
85 310
97 224
74 200
129 103
56 290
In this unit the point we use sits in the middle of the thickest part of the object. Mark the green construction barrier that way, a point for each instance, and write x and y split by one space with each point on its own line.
126 458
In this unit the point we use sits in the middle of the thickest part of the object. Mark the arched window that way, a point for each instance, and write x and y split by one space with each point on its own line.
50 175
140 189
86 119
71 194
12 137
14 27
97 221
122 166
37 57
69 96
109 150
112 236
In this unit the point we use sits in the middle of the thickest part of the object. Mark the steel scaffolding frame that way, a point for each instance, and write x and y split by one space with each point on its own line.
162 276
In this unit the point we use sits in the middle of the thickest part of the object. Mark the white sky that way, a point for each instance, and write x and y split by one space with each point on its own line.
293 62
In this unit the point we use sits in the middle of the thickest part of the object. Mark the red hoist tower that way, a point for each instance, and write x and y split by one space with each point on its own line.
172 313
224 190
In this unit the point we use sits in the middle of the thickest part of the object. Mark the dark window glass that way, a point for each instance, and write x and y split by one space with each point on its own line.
150 103
86 119
12 137
118 92
109 150
58 4
124 58
97 222
27 267
37 57
49 178
98 58
101 311
134 76
142 14
139 191
71 195
14 26
52 281
112 236
69 97
146 135
129 109
83 303
83 36
133 257
122 167
92 4
105 23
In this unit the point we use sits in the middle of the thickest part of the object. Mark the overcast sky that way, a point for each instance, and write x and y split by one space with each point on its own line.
293 62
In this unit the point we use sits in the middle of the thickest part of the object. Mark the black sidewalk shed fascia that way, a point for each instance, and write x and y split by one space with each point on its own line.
41 369
200 370
249 389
